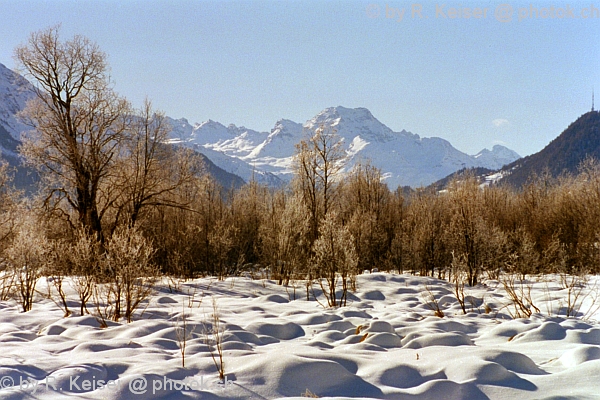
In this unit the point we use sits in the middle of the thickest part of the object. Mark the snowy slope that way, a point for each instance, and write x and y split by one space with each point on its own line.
239 167
403 157
225 147
15 91
498 157
281 142
232 140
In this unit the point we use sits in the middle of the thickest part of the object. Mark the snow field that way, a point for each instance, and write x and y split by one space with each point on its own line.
385 344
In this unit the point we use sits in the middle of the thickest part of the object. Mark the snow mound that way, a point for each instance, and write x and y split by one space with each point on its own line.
547 331
439 339
580 355
284 331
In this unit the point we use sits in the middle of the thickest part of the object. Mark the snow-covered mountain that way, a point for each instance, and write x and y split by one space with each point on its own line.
497 157
281 142
15 91
403 157
224 146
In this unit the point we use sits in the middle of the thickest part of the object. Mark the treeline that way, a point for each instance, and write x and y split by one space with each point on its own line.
549 226
118 207
307 234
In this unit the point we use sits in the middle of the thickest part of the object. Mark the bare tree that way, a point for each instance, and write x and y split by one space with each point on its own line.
58 269
247 209
149 170
317 162
366 204
7 228
480 243
335 259
129 271
181 235
423 232
284 237
213 338
183 333
8 200
27 257
78 121
85 259
221 242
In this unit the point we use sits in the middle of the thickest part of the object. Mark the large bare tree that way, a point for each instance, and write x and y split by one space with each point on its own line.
78 123
102 163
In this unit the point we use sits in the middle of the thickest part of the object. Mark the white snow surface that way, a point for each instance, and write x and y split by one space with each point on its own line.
404 158
385 344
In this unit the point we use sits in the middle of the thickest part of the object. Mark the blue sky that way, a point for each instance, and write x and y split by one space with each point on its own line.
473 81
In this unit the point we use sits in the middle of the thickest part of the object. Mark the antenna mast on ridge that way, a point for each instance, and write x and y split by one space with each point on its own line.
592 99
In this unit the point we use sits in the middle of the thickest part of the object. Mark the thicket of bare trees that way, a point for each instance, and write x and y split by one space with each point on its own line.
118 206
465 233
106 170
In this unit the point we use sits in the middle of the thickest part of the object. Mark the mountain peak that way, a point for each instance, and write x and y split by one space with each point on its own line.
497 149
349 122
359 113
403 157
286 127
210 124
284 122
355 115
496 158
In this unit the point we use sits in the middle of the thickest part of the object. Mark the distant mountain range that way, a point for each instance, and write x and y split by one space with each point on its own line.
404 158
